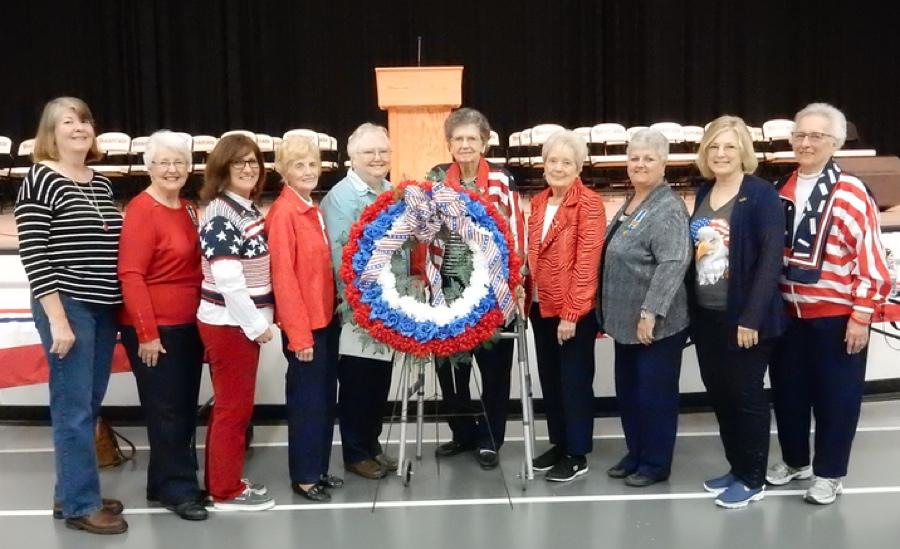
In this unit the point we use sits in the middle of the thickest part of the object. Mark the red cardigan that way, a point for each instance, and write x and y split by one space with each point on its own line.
302 277
159 266
564 265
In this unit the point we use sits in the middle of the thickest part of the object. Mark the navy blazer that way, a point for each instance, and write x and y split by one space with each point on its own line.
755 259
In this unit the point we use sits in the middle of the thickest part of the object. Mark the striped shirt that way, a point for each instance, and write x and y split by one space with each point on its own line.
853 268
69 236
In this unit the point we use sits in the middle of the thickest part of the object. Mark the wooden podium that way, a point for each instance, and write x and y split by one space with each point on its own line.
418 100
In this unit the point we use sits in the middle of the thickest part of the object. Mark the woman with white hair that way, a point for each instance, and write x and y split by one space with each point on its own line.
565 235
643 307
159 266
835 275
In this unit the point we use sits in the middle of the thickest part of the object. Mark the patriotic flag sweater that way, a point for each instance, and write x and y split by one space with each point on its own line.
834 262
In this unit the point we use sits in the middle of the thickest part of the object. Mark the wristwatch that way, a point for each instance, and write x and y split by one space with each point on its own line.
647 314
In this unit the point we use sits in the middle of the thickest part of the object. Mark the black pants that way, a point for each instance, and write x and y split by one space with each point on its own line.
734 383
311 399
567 381
364 387
813 373
469 428
168 393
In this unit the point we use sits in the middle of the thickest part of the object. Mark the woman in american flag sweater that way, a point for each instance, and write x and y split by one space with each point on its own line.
235 313
835 274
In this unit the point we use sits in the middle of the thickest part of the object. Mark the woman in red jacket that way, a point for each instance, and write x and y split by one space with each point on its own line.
303 282
565 235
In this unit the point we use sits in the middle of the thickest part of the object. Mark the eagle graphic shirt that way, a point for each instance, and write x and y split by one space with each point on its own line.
709 232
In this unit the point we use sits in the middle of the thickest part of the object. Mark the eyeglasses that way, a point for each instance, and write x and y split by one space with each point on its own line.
372 153
814 137
168 164
241 164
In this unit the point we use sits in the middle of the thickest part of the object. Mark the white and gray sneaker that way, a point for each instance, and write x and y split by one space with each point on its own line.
255 487
824 490
245 501
781 473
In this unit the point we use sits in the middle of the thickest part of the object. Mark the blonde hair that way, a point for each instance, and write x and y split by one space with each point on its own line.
717 127
293 149
45 147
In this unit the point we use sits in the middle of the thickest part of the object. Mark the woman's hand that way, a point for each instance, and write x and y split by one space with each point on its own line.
565 331
305 355
149 352
645 329
63 336
857 335
746 337
264 337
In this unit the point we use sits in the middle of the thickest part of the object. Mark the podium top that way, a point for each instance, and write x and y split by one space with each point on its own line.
419 86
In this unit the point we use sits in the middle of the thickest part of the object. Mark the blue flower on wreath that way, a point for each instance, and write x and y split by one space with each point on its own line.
407 326
425 331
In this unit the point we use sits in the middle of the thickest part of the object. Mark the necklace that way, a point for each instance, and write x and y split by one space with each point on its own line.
93 203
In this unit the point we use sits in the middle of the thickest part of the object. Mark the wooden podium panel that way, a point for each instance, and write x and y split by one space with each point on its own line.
880 173
418 100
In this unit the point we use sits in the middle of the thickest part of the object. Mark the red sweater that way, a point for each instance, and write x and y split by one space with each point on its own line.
159 266
302 277
564 264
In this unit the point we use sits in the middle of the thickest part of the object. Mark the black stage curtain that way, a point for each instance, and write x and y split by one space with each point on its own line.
268 66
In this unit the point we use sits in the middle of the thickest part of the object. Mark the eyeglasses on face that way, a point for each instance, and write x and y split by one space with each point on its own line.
166 165
241 164
814 137
372 153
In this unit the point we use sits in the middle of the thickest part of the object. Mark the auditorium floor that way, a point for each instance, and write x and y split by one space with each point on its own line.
468 508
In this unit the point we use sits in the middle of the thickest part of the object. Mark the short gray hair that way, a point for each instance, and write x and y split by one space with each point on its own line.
464 117
652 139
362 130
837 122
570 139
165 139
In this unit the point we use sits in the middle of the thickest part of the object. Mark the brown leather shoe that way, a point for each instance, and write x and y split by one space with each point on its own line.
114 506
367 468
99 522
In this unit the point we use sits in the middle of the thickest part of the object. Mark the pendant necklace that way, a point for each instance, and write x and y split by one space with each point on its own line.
93 203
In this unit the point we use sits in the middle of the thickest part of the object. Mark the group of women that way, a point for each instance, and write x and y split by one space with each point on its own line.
185 288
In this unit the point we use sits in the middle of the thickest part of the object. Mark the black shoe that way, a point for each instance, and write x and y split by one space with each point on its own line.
452 448
548 459
568 468
331 481
639 480
189 510
316 492
618 471
487 459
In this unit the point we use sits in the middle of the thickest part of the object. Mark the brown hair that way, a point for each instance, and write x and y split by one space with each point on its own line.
218 165
45 147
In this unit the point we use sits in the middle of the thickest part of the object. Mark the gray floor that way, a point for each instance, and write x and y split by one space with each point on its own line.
464 506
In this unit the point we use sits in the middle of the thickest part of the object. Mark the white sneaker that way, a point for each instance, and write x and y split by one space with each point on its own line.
255 487
824 490
781 473
245 501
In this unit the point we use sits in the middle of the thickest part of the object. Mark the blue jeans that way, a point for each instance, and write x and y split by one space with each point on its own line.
77 386
647 392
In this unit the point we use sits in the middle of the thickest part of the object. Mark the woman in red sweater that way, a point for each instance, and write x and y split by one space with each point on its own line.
565 236
159 266
303 282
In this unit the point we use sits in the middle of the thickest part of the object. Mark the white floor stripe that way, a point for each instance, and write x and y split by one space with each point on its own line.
599 498
283 444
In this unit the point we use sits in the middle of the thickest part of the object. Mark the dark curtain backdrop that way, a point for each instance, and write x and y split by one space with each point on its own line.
269 66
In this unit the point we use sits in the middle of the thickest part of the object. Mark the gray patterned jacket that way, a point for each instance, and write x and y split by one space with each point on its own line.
644 266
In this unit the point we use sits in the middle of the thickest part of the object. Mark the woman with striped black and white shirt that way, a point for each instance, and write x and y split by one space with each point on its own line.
69 230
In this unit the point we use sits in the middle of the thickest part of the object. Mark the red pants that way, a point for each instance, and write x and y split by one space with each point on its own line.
233 360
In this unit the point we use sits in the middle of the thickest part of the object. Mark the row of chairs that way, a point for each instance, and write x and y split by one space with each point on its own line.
123 155
607 143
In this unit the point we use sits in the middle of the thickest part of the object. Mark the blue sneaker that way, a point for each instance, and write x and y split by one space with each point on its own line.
719 484
738 495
